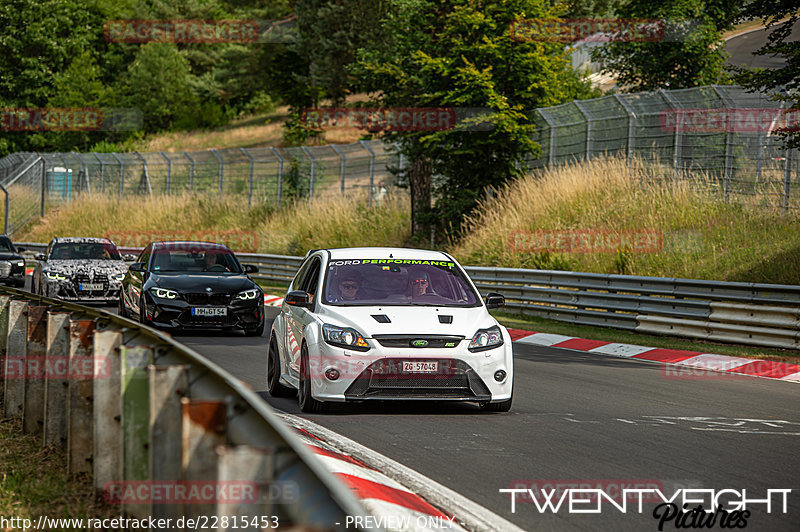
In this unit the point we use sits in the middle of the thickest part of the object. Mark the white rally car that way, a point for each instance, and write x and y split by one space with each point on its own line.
362 324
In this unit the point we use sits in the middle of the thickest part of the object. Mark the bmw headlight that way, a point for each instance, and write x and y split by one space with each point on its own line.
164 293
344 337
486 339
55 276
118 276
248 295
21 263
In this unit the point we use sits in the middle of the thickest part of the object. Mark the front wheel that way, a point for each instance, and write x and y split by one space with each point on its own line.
258 331
307 403
502 406
143 314
276 389
121 310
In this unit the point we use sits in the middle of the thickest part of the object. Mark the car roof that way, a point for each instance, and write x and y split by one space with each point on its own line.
192 243
383 253
81 239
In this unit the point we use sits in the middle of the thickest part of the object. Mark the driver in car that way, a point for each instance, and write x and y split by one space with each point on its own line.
419 284
210 264
349 285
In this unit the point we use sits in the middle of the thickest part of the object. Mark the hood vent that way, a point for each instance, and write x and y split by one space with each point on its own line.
381 318
445 319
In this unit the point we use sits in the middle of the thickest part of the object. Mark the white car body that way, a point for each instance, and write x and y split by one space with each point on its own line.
378 371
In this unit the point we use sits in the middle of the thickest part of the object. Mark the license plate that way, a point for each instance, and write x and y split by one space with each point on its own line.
209 311
420 367
88 287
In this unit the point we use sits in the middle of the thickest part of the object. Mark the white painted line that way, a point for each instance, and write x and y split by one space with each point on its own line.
334 465
794 377
715 362
471 515
545 339
621 350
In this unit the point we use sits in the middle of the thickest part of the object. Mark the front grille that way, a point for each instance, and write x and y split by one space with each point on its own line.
406 340
82 278
200 299
385 379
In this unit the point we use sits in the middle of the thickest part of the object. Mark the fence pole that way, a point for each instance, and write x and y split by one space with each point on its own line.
551 156
191 172
250 181
5 206
631 126
371 168
787 178
85 171
589 129
341 167
313 171
728 145
169 169
44 186
145 174
121 175
280 174
677 138
221 164
102 173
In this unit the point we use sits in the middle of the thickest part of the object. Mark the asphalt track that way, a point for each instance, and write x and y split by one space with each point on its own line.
576 417
742 46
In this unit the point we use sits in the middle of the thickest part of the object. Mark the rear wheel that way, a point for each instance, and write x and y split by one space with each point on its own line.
304 399
276 389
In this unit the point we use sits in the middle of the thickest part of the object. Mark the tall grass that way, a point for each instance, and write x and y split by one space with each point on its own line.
703 236
292 229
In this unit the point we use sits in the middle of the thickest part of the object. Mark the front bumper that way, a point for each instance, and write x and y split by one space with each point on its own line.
11 272
70 291
378 374
177 314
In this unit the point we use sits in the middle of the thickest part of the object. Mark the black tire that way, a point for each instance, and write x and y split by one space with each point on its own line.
307 403
276 389
258 331
121 310
142 317
502 406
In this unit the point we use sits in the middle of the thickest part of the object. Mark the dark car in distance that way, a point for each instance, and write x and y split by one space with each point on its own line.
12 265
192 285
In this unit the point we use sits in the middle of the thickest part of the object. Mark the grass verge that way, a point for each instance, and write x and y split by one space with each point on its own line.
532 323
34 482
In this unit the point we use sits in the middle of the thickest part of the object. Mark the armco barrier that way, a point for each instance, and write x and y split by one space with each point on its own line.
133 408
620 301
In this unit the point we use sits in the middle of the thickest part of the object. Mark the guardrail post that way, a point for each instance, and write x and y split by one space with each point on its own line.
135 419
168 385
33 401
4 302
242 465
56 375
204 429
80 396
107 410
16 351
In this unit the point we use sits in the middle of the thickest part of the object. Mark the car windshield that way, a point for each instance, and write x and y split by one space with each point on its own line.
398 282
5 245
84 251
197 259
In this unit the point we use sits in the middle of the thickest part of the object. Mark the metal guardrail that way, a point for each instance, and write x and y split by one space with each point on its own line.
133 407
619 301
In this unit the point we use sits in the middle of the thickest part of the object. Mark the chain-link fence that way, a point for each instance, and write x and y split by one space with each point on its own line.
719 137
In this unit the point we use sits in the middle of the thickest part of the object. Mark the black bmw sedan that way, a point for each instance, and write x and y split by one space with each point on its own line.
192 285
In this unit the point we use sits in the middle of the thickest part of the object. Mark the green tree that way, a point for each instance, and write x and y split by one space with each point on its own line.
459 54
689 54
782 82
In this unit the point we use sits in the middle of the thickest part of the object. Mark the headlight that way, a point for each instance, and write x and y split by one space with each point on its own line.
21 263
344 337
164 293
118 276
55 276
486 339
248 294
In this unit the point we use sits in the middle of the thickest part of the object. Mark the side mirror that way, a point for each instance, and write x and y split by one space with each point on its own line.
128 257
495 300
40 256
249 268
136 267
20 250
297 298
